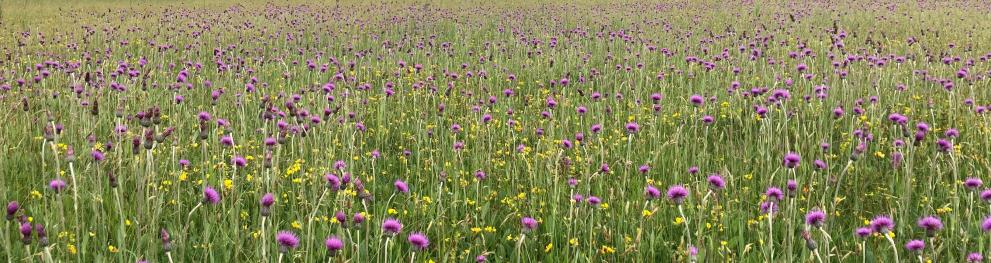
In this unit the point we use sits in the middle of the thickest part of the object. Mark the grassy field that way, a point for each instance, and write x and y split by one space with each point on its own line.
517 131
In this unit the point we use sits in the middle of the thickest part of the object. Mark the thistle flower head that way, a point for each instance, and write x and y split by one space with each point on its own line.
915 245
652 192
815 218
267 200
716 182
287 240
401 186
882 224
972 183
210 196
774 194
333 244
391 226
12 208
418 240
677 194
57 185
863 232
791 160
930 223
529 224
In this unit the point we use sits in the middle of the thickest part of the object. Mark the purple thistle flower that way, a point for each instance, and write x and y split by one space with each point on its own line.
333 182
791 160
972 183
97 155
975 257
644 168
774 194
677 194
391 226
481 259
915 245
333 244
652 192
26 232
986 224
267 200
716 182
57 185
632 127
697 100
986 195
401 186
341 218
594 200
12 208
819 164
418 240
358 218
815 218
952 133
862 232
882 224
768 207
286 240
693 170
944 145
931 224
210 196
529 224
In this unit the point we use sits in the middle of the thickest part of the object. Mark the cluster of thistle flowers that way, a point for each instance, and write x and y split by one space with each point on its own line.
28 232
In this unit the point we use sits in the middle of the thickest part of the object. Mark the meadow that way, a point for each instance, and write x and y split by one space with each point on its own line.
503 131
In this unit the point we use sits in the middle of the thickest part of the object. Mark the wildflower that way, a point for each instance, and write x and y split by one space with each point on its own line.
986 195
26 232
862 232
418 240
632 127
12 208
677 193
986 225
166 240
716 182
57 185
391 226
333 182
529 224
792 187
815 218
791 160
333 244
915 245
972 183
287 240
358 218
210 196
594 200
975 257
401 186
882 224
697 100
652 192
768 208
774 194
931 224
266 201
